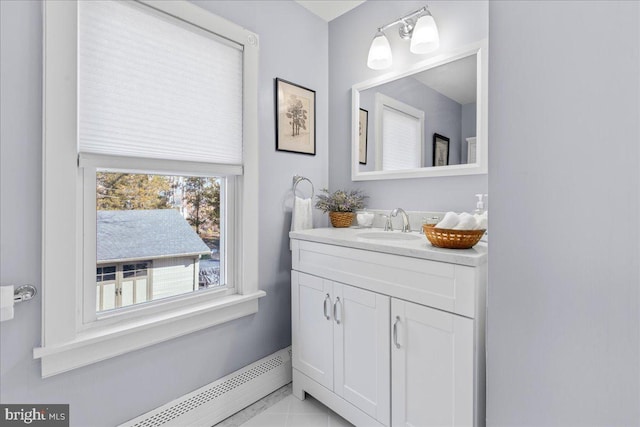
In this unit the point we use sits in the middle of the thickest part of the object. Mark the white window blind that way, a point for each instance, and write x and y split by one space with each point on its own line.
401 134
153 89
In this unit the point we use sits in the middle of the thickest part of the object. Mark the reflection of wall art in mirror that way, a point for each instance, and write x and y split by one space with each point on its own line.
295 118
440 150
362 133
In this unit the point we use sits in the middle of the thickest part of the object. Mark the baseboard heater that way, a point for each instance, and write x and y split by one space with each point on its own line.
220 399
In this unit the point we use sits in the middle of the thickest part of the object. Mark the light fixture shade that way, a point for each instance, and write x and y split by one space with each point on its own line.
425 37
379 53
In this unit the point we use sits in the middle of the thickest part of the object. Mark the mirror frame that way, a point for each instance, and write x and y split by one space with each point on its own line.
482 142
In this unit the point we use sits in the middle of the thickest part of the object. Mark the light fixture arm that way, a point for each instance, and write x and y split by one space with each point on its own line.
404 19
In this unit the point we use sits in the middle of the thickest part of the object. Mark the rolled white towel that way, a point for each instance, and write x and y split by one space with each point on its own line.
481 221
449 221
467 222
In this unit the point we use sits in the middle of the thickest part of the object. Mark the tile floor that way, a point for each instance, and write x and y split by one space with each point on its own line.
291 412
282 409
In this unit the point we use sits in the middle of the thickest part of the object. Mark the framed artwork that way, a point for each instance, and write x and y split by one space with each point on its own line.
362 134
295 118
440 150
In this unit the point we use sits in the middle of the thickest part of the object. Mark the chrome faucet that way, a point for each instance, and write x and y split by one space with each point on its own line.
405 220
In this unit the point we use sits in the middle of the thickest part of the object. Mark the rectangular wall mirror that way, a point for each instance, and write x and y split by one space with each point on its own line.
412 113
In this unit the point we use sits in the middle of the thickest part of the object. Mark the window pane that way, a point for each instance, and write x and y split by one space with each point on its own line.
173 223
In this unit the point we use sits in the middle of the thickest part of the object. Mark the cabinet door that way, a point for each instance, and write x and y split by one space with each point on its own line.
432 367
361 350
312 324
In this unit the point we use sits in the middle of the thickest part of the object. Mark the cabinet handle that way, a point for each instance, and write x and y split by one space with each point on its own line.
335 310
324 306
395 332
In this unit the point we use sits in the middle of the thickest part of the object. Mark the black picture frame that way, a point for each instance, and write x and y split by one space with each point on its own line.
295 111
363 135
440 150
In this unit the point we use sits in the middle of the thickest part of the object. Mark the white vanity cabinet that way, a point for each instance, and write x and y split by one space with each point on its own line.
432 365
340 341
389 335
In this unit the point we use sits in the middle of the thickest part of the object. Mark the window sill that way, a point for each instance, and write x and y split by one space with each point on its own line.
98 344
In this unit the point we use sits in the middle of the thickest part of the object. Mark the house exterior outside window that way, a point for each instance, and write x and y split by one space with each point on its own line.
145 255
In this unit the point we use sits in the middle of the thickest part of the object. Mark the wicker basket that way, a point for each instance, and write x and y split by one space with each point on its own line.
452 239
341 219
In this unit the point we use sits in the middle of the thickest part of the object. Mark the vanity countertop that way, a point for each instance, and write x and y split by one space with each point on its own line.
416 248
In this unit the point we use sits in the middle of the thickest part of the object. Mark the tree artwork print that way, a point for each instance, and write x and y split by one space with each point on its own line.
295 118
297 114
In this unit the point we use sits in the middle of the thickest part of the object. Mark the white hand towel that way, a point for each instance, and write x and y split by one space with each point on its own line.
302 215
467 222
6 303
482 221
449 221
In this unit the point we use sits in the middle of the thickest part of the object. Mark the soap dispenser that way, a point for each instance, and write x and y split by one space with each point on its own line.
479 205
480 214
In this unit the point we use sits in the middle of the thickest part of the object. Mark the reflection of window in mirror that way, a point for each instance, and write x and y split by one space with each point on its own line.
401 129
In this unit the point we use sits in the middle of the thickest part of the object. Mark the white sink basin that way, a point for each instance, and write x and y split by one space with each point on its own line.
388 235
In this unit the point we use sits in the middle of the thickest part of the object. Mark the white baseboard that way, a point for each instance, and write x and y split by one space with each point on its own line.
220 399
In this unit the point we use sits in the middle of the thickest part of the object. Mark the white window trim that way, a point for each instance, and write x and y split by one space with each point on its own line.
65 345
88 163
382 101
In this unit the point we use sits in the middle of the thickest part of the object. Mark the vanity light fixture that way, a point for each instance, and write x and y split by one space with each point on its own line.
419 26
379 52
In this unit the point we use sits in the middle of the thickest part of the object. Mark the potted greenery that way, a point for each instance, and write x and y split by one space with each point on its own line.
341 205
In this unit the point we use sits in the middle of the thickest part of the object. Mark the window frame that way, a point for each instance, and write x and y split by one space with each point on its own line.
67 341
89 164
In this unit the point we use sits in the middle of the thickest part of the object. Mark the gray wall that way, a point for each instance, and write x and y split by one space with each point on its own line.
563 322
110 392
460 23
442 115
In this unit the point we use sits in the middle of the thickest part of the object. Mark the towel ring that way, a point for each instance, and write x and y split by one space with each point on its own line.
297 179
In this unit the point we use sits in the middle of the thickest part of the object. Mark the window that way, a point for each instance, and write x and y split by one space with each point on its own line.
401 127
179 223
151 116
